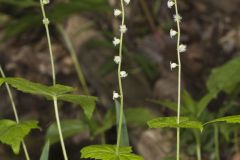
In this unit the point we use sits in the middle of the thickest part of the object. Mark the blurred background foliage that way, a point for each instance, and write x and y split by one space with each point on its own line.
211 70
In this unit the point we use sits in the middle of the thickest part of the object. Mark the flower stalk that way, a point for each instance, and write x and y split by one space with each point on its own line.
118 61
180 49
46 24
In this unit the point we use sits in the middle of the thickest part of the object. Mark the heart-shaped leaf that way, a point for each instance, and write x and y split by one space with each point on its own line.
171 122
13 133
108 152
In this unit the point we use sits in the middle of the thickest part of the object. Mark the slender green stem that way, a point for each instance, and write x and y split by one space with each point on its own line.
198 143
59 128
14 111
46 23
216 140
75 59
179 80
120 81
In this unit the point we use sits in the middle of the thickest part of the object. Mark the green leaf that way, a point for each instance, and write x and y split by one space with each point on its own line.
171 122
1 82
124 140
189 102
69 128
108 122
45 151
26 86
225 77
144 115
228 119
202 104
169 104
108 152
86 102
12 133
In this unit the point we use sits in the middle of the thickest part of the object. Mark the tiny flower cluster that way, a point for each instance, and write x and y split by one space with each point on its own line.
177 18
118 41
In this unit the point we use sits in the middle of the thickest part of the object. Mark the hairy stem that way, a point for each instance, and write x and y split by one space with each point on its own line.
14 111
46 23
216 140
179 81
73 54
120 81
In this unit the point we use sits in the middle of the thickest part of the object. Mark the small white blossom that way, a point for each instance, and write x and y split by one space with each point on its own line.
177 18
116 41
115 95
123 29
123 74
173 65
46 21
45 1
117 12
117 59
182 48
170 3
172 33
127 1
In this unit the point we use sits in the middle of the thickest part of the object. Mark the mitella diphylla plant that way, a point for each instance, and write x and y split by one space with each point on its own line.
106 152
176 122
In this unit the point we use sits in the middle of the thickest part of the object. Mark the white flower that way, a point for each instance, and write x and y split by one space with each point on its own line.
170 3
116 41
123 74
45 1
182 48
177 18
117 59
123 29
173 65
117 12
172 33
46 21
127 1
115 95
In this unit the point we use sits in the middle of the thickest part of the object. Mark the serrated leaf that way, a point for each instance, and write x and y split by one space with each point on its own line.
171 122
27 86
45 151
228 119
69 128
108 152
12 133
86 102
225 76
